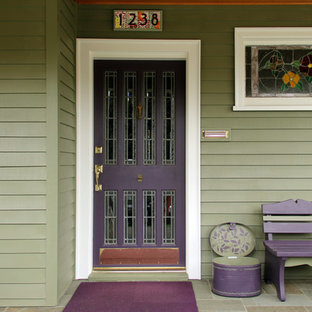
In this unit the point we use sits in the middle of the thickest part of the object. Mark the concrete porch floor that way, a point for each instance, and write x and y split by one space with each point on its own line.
298 299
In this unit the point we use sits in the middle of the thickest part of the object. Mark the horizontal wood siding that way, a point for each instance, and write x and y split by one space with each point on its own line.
197 2
22 153
269 157
67 145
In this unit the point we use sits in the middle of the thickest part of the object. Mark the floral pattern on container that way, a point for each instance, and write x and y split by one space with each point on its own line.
232 239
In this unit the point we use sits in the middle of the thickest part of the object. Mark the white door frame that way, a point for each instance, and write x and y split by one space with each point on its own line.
125 49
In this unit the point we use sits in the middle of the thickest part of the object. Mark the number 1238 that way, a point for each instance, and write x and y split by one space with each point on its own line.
138 20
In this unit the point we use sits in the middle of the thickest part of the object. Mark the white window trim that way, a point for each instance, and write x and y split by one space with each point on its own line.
267 36
124 49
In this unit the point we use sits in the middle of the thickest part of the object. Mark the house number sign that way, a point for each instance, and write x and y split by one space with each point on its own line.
137 20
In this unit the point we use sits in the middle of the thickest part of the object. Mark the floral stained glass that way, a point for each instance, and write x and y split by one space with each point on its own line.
278 71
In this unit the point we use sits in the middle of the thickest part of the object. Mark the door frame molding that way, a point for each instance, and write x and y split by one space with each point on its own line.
137 49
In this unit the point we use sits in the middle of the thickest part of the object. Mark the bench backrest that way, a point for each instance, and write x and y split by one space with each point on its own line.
287 217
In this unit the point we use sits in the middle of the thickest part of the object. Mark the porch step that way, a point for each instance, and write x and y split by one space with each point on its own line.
118 276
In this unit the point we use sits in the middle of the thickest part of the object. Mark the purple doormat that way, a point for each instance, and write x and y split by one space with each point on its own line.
133 297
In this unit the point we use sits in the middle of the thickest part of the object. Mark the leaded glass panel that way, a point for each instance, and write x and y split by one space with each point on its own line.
149 125
168 123
168 217
110 217
149 217
110 119
130 215
130 122
278 71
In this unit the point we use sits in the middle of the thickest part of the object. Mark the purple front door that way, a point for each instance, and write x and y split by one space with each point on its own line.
139 164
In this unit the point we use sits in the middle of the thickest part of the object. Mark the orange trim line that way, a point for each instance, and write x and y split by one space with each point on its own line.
197 2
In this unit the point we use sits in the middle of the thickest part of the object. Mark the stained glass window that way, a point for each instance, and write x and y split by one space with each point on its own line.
168 217
110 104
130 122
149 125
168 144
130 214
149 217
110 217
278 71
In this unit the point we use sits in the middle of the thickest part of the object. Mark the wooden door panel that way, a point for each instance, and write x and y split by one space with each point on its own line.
139 210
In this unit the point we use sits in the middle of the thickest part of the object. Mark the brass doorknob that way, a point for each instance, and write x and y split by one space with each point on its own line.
97 170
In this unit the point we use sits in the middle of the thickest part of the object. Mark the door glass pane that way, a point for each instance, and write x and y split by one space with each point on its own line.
110 118
168 135
130 217
130 123
149 217
149 126
110 217
168 217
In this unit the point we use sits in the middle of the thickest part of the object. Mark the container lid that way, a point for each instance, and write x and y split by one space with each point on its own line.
236 261
232 239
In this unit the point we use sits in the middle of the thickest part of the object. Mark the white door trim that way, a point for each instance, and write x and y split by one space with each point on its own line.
125 49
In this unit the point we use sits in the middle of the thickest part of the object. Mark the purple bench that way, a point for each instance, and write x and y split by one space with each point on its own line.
287 217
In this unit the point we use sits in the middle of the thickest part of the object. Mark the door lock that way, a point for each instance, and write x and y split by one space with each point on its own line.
140 178
98 149
97 170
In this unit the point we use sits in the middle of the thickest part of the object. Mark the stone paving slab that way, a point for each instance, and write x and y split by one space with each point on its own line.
276 309
298 299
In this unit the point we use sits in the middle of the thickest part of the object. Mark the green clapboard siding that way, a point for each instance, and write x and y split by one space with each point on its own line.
22 56
22 246
23 171
67 145
269 157
22 276
22 72
22 291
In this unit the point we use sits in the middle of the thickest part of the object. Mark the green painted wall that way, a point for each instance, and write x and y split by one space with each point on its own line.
270 155
268 159
23 174
67 145
37 150
60 72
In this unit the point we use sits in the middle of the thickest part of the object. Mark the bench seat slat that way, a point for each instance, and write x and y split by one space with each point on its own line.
299 243
287 227
292 218
289 249
290 253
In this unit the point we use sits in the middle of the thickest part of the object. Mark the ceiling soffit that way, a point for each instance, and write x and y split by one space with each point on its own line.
196 2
